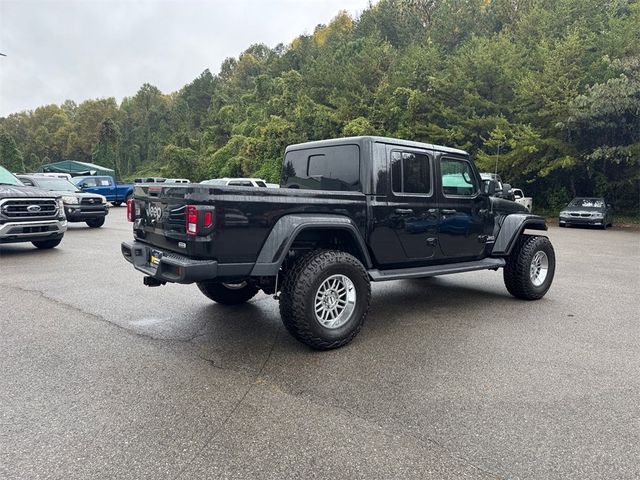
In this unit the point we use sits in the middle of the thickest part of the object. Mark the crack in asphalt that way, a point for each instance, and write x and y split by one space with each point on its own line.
100 318
234 409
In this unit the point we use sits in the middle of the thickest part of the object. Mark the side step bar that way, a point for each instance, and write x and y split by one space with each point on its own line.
434 270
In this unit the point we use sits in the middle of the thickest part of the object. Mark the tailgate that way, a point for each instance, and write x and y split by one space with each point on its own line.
161 220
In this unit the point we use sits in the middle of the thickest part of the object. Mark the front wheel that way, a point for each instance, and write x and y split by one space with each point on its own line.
325 299
47 244
228 293
530 268
95 222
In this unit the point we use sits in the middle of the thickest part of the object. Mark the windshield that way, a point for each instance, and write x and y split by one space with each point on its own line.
587 203
7 178
58 184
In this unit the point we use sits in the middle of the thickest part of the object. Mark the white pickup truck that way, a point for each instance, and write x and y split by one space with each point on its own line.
521 199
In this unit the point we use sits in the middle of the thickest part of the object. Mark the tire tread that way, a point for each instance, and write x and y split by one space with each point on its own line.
516 271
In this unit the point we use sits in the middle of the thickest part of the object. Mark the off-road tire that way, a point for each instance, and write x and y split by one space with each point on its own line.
298 293
220 293
47 244
516 272
95 222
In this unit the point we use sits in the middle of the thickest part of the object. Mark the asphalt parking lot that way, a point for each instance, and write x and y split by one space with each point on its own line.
450 377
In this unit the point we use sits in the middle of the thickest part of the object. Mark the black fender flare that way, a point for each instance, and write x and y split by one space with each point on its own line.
511 228
288 227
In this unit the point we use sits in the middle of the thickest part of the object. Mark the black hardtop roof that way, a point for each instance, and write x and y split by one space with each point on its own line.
373 139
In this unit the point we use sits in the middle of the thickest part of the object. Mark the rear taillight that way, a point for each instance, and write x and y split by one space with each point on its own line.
192 220
131 214
199 220
208 219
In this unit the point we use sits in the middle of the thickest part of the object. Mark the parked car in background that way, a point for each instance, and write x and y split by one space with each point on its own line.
178 180
28 214
90 208
593 211
66 176
503 190
521 199
149 180
105 186
238 182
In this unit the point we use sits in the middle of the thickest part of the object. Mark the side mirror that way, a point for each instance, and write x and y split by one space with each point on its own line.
489 187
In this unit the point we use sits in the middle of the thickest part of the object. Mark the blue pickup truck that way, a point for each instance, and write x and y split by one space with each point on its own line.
107 186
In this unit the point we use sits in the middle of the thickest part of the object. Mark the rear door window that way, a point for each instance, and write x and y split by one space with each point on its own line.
410 173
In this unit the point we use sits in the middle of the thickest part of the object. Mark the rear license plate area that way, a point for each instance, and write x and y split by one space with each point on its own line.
154 257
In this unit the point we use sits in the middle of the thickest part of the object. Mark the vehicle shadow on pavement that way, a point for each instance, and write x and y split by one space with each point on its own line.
422 298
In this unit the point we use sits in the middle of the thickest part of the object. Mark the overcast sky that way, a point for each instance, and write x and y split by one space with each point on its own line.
58 50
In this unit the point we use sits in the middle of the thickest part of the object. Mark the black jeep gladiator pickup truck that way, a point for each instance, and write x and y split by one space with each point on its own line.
349 211
29 214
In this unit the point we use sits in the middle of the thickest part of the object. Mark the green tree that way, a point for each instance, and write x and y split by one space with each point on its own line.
10 155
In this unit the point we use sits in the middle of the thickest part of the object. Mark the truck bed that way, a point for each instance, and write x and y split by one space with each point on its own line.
242 216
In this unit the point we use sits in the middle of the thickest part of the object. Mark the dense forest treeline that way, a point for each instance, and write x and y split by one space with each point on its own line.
547 89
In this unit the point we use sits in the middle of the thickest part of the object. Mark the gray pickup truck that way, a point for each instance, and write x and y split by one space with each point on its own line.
29 214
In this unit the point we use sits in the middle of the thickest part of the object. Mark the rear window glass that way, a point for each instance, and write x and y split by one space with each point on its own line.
334 168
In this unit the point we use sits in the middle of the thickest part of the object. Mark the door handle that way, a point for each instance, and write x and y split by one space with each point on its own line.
404 211
446 211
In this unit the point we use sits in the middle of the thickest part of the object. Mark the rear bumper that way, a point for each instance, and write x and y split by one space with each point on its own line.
13 232
171 267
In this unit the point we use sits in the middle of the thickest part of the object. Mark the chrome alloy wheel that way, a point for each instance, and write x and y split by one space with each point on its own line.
539 268
335 301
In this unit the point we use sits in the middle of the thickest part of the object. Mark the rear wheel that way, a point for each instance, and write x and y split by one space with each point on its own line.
47 244
530 268
228 293
95 222
325 299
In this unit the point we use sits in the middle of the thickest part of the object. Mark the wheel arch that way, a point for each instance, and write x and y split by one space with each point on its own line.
292 229
512 227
